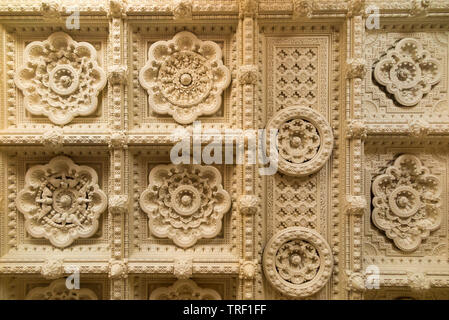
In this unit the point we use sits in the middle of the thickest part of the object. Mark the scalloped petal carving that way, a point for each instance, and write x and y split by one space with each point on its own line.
185 203
408 71
185 77
61 201
60 78
407 202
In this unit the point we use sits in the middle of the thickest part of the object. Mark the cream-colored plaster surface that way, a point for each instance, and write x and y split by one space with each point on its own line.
98 97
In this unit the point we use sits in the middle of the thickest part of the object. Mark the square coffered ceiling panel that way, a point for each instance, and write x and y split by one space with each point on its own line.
97 99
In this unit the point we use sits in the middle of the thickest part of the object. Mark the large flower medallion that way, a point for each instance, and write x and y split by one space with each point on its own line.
185 77
407 202
297 261
60 78
407 71
185 203
61 201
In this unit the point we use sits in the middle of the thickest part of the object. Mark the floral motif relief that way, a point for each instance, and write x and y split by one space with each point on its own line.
185 77
298 141
118 269
297 261
418 281
53 139
52 269
184 290
408 72
419 8
183 268
57 290
51 11
407 202
185 203
355 205
182 9
355 281
248 204
61 78
61 201
305 140
247 269
303 8
356 129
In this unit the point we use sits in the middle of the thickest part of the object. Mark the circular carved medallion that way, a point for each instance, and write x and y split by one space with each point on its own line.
64 79
304 140
297 261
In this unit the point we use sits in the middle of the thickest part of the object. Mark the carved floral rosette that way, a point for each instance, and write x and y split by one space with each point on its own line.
304 140
185 203
57 290
407 71
184 290
407 202
60 78
61 201
185 77
297 262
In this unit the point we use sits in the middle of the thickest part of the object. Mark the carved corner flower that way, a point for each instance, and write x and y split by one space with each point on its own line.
302 8
52 269
61 78
248 8
183 268
61 201
418 281
356 68
185 77
248 204
53 139
355 281
117 8
408 72
185 203
419 8
117 140
118 269
247 269
51 10
182 9
184 290
418 128
118 204
57 290
407 202
355 205
356 129
117 75
247 74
